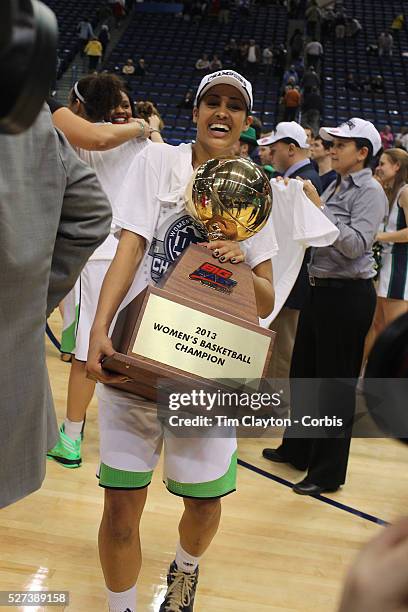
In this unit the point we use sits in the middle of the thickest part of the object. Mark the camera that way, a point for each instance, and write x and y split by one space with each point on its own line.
28 52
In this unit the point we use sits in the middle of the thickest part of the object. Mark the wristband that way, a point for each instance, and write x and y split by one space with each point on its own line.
158 131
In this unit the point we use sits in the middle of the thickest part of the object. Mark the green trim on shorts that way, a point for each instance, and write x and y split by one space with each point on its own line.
68 336
122 479
213 488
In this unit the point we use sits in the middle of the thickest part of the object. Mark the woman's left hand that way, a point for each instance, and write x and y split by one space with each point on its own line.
381 237
226 250
311 192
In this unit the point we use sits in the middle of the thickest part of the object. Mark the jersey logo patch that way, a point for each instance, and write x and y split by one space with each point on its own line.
215 277
182 232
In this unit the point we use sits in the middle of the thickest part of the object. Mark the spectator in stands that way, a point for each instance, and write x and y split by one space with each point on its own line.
198 9
224 14
291 102
397 24
85 33
118 10
104 38
372 49
187 10
188 100
128 69
294 7
328 23
340 25
387 137
321 154
312 108
404 138
353 27
314 53
280 55
231 53
296 44
310 79
216 64
365 84
93 50
290 75
267 59
299 65
377 84
253 58
243 53
141 68
313 18
244 8
203 64
350 83
385 44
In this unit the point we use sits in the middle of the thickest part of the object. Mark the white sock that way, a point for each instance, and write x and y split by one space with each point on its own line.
73 429
122 602
184 561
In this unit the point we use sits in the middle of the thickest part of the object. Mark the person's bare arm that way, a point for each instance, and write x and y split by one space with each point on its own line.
400 235
155 134
116 284
91 137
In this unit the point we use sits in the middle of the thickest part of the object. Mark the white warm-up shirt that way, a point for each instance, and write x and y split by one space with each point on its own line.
298 224
111 168
151 204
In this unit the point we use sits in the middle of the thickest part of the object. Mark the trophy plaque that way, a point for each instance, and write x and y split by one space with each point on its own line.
200 323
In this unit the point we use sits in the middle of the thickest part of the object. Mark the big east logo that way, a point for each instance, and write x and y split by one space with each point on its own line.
214 277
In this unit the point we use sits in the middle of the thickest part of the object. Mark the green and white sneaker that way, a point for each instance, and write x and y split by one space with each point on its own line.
67 452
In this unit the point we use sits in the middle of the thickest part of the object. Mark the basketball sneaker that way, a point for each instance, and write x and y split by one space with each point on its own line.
181 588
66 451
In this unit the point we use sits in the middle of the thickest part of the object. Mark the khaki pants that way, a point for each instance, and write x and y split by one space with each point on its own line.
285 326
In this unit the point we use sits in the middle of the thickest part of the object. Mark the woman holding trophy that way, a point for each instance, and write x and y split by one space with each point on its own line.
155 230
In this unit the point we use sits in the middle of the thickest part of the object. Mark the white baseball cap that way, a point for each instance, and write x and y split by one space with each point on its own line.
354 128
286 129
226 77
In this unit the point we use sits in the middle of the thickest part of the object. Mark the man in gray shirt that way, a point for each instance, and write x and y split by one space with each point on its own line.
53 215
339 310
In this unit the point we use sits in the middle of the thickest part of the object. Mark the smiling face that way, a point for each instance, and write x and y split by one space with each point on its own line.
387 170
346 158
220 117
123 112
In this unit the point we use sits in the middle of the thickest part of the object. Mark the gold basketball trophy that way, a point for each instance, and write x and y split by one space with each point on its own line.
200 322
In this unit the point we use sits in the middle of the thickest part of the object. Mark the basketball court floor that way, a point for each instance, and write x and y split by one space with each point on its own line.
275 551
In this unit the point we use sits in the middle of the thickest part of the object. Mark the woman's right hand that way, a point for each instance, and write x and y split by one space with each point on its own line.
154 122
100 346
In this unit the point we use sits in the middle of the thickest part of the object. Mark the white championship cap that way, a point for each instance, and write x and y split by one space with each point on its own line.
354 128
286 129
226 77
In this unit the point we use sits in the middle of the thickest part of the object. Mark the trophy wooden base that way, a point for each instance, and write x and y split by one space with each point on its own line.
200 325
